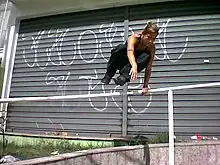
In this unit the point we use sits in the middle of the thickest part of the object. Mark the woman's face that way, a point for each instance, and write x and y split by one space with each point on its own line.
149 38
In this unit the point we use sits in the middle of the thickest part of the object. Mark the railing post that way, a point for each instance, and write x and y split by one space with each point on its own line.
171 127
125 87
2 23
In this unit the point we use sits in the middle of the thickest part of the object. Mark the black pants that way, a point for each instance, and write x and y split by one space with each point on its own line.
119 61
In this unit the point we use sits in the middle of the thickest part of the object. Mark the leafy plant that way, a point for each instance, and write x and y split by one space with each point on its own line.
142 140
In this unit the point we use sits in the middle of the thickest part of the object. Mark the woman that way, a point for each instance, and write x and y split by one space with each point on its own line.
132 57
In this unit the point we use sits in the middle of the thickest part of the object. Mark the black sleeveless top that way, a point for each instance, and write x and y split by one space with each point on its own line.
136 45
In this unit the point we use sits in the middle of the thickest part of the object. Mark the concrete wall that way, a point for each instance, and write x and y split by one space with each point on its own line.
195 153
36 8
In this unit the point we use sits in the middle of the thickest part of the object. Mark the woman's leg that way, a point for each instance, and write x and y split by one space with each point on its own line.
116 61
142 62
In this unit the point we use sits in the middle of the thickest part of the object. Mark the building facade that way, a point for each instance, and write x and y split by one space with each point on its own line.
65 53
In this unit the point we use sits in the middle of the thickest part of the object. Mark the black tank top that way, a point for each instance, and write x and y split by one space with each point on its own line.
136 45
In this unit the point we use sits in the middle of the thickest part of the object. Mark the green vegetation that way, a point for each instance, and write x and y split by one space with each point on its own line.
142 140
26 147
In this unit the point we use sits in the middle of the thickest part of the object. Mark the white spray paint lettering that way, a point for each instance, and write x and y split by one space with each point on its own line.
109 31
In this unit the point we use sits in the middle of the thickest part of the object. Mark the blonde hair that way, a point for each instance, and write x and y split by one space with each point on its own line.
151 26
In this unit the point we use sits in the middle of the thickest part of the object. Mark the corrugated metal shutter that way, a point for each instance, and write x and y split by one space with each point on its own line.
187 53
66 55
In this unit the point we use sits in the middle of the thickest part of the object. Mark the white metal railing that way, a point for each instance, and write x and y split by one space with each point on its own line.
3 19
170 104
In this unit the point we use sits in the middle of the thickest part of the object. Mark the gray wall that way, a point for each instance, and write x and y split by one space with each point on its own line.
67 54
203 153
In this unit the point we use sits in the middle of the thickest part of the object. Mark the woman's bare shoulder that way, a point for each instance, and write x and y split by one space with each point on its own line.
136 35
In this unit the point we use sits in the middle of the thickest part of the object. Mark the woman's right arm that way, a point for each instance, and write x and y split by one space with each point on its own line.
132 40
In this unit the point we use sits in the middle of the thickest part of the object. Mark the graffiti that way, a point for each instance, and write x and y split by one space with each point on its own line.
56 48
162 42
52 55
60 81
96 42
33 50
92 88
132 109
108 36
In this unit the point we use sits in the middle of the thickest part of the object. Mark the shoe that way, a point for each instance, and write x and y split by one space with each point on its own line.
120 80
106 79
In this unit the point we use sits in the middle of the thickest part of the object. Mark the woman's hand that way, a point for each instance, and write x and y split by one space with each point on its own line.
133 73
144 91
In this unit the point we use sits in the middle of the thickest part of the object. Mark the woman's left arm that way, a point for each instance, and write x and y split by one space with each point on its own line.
148 70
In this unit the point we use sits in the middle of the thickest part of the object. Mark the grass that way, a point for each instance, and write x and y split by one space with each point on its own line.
30 147
27 148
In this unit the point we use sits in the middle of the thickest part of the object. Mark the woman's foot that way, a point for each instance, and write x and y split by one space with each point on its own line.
120 80
106 79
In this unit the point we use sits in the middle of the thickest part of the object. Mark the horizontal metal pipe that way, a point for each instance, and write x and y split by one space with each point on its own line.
71 97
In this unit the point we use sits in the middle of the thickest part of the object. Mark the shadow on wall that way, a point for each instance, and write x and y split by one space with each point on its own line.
126 156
